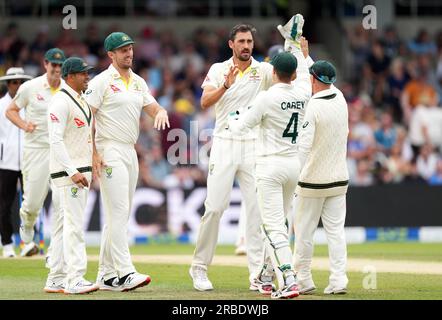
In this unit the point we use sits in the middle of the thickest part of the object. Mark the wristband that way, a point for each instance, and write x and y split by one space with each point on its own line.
226 87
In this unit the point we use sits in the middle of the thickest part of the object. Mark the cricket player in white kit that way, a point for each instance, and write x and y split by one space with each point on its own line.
231 86
34 97
323 182
70 139
278 112
117 96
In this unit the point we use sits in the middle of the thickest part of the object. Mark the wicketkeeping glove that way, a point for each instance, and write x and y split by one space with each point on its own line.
292 32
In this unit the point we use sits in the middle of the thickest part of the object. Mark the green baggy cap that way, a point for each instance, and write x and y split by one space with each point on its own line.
74 65
285 62
324 71
55 55
117 40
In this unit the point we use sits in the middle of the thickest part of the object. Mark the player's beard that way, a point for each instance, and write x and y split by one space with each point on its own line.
244 56
125 63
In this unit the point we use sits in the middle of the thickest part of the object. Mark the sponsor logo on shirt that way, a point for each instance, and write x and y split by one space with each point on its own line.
114 88
79 123
53 117
39 97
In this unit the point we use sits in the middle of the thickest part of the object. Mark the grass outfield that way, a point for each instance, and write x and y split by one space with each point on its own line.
25 278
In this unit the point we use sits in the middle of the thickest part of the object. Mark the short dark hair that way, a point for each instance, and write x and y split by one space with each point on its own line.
242 27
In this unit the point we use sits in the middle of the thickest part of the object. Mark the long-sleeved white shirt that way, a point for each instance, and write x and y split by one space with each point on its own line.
70 135
279 112
323 146
11 139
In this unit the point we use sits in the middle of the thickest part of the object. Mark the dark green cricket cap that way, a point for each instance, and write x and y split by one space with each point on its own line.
55 55
285 62
117 40
324 71
74 65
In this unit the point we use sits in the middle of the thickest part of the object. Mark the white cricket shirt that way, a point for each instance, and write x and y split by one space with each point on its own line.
279 112
34 96
70 135
257 77
323 146
119 105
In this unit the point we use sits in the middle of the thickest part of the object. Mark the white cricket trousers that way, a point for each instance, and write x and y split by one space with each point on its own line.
117 186
230 158
332 211
276 179
74 260
36 185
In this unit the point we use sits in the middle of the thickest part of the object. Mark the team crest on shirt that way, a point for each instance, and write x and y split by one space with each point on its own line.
74 191
114 88
79 123
40 97
108 172
254 75
53 117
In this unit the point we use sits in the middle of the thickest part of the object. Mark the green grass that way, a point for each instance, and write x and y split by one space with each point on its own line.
389 251
25 279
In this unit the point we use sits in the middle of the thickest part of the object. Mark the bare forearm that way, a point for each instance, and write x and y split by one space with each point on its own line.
14 116
209 98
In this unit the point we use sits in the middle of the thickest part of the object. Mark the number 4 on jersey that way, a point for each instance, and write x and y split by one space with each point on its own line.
294 134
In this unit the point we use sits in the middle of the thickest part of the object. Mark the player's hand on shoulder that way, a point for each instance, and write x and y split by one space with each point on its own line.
161 120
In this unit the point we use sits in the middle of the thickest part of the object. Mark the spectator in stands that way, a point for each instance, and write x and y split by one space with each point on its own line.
377 63
396 81
417 91
386 134
396 167
426 161
391 41
436 178
93 40
159 167
426 127
422 44
363 176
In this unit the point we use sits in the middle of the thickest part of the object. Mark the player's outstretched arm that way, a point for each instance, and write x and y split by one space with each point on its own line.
159 114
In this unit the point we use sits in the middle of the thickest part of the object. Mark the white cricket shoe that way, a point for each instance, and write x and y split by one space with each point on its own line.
241 250
29 249
288 292
27 234
133 281
200 280
111 284
292 32
264 285
335 290
306 287
54 286
81 287
8 251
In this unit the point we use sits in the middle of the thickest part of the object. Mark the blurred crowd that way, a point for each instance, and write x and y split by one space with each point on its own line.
394 97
